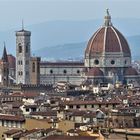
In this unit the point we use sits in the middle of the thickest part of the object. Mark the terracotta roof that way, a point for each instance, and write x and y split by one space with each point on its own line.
12 61
69 138
67 63
107 39
12 131
12 118
28 132
30 94
31 106
87 113
46 113
130 71
75 102
94 72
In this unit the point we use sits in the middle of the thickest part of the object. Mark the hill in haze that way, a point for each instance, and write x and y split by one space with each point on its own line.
76 50
66 39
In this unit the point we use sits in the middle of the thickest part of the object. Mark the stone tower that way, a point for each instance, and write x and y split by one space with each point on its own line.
35 70
4 68
23 56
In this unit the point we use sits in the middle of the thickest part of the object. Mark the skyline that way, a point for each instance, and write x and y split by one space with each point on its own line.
34 11
59 22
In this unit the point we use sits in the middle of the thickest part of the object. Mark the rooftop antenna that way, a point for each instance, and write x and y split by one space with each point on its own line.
22 24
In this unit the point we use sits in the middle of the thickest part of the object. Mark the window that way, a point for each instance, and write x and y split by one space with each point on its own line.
27 48
51 71
78 71
20 62
96 62
112 62
38 67
125 61
33 67
85 106
71 106
20 48
20 73
92 106
65 71
27 109
78 106
27 62
27 73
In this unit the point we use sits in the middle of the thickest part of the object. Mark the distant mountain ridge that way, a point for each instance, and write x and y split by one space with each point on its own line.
67 39
76 50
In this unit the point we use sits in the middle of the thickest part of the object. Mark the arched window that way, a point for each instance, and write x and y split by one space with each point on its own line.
27 48
78 71
21 73
19 48
51 71
38 67
65 71
33 67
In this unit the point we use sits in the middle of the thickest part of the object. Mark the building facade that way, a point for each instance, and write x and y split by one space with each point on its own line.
23 56
108 56
107 59
35 70
53 72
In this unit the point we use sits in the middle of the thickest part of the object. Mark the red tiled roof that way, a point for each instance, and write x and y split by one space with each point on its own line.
27 132
130 71
12 118
69 138
107 39
12 131
66 63
75 102
94 72
46 113
12 61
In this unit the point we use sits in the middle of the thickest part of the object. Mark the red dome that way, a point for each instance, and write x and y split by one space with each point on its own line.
107 39
130 71
94 72
12 61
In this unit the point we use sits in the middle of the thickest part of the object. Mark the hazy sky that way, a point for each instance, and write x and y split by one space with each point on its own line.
36 11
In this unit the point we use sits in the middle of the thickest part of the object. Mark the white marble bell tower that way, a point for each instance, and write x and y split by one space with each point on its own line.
23 56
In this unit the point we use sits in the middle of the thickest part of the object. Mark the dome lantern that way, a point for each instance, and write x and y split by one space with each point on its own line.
107 19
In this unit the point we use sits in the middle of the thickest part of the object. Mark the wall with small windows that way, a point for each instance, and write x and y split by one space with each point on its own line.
53 72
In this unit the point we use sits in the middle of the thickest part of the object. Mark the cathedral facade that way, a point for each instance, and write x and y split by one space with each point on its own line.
107 59
108 56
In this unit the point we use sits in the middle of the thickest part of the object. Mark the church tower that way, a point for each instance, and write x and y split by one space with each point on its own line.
23 56
4 68
35 70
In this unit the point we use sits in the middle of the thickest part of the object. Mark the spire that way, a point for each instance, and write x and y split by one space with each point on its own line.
107 19
4 56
